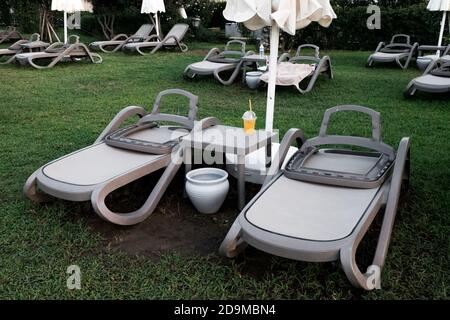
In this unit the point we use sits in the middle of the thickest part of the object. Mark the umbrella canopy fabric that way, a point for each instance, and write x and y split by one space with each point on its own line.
153 6
71 6
290 15
439 5
444 6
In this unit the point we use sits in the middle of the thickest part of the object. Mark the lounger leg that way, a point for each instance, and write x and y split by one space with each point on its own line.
187 155
372 278
99 195
241 181
31 192
233 244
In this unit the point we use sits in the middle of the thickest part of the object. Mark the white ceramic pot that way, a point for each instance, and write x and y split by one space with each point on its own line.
253 79
424 62
207 188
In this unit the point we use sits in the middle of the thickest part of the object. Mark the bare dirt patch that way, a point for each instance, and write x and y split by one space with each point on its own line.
175 225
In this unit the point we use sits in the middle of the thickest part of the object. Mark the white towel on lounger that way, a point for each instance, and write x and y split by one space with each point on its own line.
290 74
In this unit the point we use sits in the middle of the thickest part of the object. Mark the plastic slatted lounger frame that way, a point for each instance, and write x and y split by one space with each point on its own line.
395 51
59 52
17 48
218 61
435 79
173 39
120 167
323 65
321 202
120 40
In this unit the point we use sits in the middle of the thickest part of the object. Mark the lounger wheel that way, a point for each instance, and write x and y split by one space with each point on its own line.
189 74
409 93
31 191
233 244
183 47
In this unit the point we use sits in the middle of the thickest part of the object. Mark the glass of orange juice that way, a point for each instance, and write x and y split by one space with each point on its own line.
249 119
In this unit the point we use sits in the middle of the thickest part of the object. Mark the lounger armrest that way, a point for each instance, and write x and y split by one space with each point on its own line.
447 51
153 36
205 124
284 57
55 45
380 46
119 36
211 52
250 52
293 135
123 115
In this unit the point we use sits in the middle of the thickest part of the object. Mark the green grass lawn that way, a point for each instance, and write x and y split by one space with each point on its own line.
46 114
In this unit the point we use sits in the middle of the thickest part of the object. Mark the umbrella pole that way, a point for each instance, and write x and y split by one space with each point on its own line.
157 25
65 27
441 33
273 61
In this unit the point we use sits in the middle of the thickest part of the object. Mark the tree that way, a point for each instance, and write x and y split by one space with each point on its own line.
106 12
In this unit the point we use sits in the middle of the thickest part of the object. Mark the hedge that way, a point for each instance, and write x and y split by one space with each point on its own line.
349 31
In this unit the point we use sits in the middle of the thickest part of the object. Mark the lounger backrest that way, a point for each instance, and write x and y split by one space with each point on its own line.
156 115
178 31
229 48
373 143
35 37
396 39
144 31
299 57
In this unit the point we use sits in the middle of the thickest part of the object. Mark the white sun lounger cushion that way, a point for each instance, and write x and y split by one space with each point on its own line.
310 211
290 74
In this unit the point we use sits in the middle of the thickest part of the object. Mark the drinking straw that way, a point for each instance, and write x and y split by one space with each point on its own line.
250 104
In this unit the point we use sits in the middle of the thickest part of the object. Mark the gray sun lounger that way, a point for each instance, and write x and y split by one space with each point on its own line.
173 39
319 208
21 45
10 34
118 157
116 43
396 51
322 64
218 61
435 79
59 52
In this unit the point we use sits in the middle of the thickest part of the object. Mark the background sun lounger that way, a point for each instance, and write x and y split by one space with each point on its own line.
218 61
399 52
295 73
325 220
94 172
20 46
10 34
122 39
431 81
173 39
58 52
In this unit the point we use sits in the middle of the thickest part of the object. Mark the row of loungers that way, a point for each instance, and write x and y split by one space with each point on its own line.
24 52
231 61
143 42
435 79
341 190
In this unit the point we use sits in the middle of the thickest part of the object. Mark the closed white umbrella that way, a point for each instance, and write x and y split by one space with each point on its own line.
70 6
154 6
289 15
444 6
